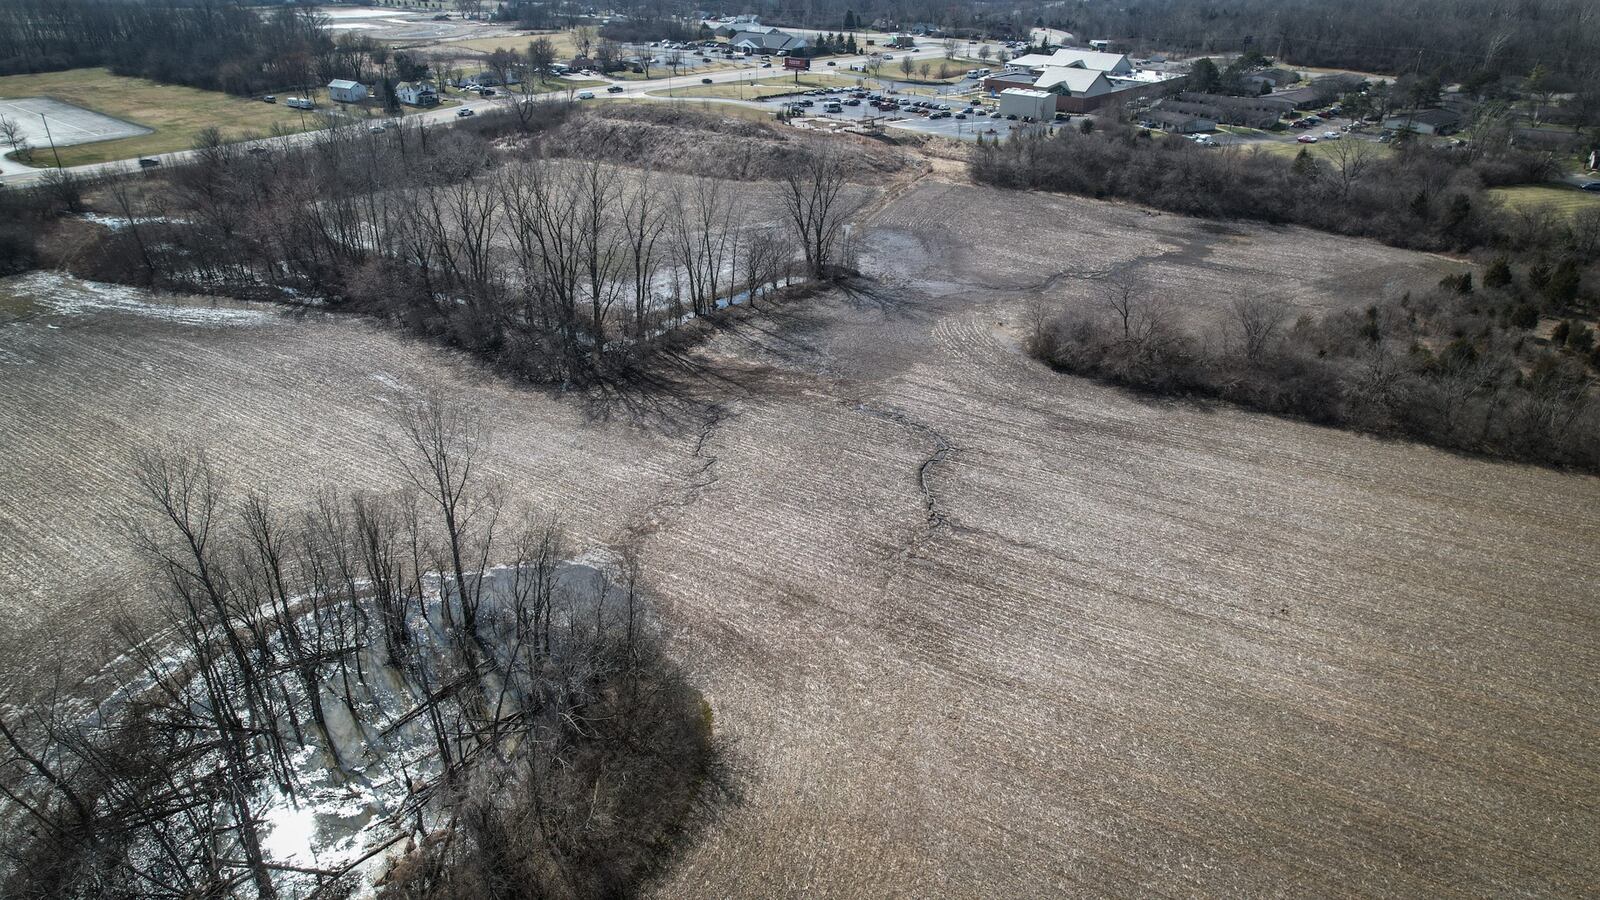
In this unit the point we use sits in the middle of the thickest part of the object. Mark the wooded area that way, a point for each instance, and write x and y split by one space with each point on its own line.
509 716
553 269
227 46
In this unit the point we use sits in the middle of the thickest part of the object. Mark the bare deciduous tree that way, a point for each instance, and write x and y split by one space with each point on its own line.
441 438
13 136
813 200
1255 322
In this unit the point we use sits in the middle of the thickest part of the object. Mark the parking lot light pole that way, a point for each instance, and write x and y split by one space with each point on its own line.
53 151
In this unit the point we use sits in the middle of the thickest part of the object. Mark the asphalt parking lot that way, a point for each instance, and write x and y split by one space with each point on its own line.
68 124
987 126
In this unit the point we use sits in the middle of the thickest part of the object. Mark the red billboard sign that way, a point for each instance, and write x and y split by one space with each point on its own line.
797 63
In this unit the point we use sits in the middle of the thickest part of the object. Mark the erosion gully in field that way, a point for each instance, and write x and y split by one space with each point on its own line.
971 628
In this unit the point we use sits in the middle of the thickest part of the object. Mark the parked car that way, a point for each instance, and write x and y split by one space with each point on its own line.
614 89
269 99
833 108
1307 139
961 115
464 113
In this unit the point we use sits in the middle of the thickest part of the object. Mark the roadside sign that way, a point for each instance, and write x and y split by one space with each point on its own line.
797 62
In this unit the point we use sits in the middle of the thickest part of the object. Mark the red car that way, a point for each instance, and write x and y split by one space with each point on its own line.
1307 139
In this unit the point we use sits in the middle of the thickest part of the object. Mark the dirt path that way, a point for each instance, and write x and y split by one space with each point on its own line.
973 629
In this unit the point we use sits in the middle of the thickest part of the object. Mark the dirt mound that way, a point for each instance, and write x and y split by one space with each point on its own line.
704 142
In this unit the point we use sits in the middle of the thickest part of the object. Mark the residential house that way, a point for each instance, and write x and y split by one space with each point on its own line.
416 93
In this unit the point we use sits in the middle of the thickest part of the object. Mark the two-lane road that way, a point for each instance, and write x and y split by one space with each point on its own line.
15 173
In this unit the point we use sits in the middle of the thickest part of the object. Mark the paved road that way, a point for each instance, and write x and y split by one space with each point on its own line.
15 173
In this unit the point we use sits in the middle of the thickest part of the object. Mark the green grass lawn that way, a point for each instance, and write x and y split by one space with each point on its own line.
176 114
542 85
1563 198
1321 150
658 72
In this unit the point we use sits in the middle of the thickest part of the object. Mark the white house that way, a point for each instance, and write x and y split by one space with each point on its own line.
416 93
346 91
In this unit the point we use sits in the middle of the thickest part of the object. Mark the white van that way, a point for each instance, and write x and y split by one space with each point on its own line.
586 95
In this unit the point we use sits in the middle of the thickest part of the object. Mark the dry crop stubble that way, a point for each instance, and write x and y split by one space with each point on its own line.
1143 649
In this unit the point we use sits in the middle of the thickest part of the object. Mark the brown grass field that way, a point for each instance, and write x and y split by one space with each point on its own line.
970 628
1564 199
177 114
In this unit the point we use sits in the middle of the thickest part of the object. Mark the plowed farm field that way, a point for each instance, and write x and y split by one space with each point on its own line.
969 628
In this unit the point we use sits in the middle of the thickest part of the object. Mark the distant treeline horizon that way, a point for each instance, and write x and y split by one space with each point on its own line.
224 46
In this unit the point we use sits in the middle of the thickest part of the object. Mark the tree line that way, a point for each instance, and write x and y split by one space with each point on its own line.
553 269
225 45
1453 38
534 740
1417 196
1464 366
1458 366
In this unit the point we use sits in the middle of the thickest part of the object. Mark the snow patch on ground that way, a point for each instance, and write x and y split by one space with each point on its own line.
62 294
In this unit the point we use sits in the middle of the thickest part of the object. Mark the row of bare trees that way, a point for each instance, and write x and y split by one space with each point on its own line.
557 268
428 640
1447 366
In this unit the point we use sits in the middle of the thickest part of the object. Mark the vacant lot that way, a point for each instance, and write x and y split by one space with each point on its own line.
973 629
562 41
174 115
756 89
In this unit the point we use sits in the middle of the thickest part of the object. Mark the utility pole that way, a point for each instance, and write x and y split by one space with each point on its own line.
53 151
